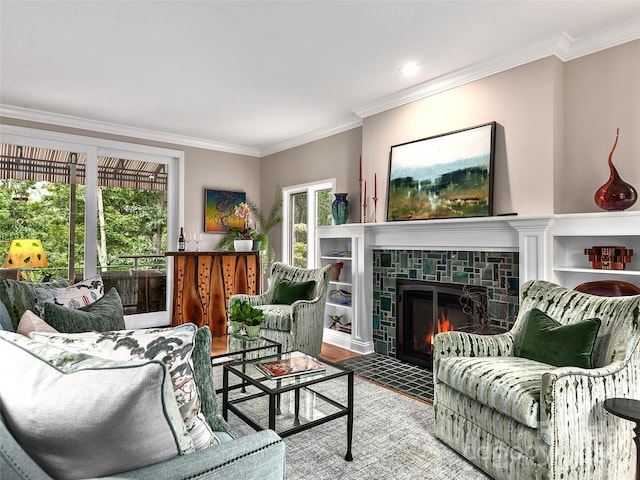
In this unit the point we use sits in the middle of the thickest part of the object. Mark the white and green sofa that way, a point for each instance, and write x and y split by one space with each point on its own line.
134 404
528 404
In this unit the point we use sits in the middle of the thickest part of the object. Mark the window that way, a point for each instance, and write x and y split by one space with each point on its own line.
304 208
97 206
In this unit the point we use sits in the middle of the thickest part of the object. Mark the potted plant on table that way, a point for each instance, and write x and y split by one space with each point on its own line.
245 319
243 237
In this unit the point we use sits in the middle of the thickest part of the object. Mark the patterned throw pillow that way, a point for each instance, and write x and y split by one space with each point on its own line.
77 295
94 417
173 346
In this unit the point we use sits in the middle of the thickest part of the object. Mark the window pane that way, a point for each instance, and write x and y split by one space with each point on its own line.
323 207
132 232
299 222
36 191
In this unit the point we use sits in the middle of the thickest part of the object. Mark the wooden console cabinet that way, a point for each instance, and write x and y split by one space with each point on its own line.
204 281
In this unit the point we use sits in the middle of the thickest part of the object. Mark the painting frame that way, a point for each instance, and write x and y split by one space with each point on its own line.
444 176
218 210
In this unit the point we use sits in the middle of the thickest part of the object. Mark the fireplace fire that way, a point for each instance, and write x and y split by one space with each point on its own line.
426 308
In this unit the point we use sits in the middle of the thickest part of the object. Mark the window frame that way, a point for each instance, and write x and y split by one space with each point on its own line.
94 147
311 189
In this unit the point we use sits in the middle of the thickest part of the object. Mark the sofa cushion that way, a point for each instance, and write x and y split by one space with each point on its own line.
547 340
15 298
173 346
288 291
30 322
80 416
105 314
276 317
78 295
511 385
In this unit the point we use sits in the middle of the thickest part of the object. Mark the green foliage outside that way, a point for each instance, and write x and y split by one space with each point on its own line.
135 221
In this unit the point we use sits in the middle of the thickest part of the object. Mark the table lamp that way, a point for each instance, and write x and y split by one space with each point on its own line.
26 253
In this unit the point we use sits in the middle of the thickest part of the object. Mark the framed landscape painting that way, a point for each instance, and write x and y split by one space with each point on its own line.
444 176
218 210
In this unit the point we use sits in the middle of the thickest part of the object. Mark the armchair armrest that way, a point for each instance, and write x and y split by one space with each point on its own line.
463 344
577 394
259 456
304 312
254 300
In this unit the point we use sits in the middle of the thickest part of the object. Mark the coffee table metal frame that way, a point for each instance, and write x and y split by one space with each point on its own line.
273 388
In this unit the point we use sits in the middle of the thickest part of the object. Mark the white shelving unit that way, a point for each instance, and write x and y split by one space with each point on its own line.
344 243
572 234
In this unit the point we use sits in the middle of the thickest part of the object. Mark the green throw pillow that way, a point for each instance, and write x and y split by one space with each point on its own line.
288 292
103 315
548 341
15 299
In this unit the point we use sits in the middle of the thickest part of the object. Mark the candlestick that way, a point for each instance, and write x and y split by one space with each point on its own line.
364 204
375 185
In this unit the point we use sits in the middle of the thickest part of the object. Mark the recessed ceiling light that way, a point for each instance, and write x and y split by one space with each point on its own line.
409 69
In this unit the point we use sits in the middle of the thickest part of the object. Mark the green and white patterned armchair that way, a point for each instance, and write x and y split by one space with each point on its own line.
300 325
517 418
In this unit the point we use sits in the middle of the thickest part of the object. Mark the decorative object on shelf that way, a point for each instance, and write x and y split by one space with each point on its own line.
336 268
218 209
245 320
345 328
609 258
616 194
341 297
340 253
340 208
444 176
335 320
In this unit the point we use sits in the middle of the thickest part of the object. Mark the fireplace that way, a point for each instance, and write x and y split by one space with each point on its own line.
425 308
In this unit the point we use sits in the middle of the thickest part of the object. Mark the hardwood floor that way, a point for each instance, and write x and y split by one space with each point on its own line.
333 354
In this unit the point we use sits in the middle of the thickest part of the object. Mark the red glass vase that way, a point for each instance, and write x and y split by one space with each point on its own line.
616 194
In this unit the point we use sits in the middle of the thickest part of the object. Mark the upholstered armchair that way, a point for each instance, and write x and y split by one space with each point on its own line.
517 418
300 324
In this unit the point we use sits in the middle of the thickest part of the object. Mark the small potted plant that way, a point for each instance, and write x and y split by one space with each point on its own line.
245 319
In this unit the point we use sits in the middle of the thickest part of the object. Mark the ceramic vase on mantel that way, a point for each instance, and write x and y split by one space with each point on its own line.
340 208
616 194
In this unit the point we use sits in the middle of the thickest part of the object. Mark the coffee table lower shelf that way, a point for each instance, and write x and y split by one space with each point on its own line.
274 389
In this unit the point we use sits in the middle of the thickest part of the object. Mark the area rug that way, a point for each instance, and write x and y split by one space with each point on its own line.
390 372
392 439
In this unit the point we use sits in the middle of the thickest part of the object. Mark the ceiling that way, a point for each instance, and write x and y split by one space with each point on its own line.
256 77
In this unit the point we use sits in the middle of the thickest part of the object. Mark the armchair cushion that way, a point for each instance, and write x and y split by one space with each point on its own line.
276 317
103 315
81 416
173 346
288 291
548 341
510 385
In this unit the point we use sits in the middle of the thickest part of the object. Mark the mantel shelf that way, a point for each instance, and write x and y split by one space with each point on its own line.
597 271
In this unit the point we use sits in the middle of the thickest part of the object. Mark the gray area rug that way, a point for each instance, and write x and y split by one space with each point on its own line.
392 438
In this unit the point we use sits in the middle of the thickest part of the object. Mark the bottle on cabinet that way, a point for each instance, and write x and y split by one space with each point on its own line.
181 240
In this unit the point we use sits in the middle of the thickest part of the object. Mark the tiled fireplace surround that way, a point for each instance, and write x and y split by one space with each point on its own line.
498 271
499 252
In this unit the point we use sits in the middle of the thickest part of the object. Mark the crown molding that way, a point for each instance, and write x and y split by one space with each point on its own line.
27 114
564 47
312 136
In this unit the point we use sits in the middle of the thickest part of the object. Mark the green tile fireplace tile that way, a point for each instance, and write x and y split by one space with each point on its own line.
385 260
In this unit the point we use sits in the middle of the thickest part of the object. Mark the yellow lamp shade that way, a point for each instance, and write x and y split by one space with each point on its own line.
26 253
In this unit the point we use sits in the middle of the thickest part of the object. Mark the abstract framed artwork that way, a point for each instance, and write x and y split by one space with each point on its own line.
218 210
445 176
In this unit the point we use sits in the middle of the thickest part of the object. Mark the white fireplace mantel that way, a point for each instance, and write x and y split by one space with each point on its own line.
551 247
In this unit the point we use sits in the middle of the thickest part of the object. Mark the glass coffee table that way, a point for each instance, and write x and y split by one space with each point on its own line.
228 348
290 404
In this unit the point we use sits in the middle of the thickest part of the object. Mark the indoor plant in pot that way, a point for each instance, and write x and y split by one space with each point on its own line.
245 319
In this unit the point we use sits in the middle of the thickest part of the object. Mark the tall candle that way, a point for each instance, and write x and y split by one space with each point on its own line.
375 185
360 177
365 191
